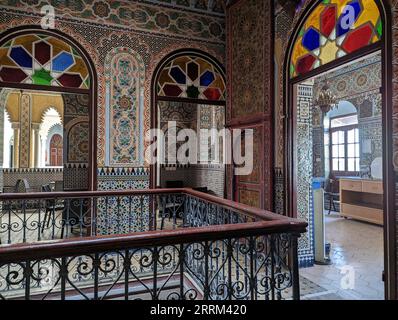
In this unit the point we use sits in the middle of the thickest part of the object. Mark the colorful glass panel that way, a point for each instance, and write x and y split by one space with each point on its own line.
334 29
42 60
191 77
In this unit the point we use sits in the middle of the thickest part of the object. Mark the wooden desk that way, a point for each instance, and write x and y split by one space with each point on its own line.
362 200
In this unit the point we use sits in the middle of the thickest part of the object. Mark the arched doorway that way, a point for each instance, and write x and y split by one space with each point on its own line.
328 37
56 150
189 89
41 69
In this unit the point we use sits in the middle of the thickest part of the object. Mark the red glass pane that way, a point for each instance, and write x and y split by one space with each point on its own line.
70 80
212 93
42 52
328 20
305 64
172 91
12 75
358 38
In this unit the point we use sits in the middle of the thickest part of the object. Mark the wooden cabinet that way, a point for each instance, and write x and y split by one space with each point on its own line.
362 200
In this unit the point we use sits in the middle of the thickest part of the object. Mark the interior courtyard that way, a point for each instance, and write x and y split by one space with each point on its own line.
198 150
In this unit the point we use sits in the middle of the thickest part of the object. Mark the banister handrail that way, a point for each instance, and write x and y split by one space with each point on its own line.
59 248
242 208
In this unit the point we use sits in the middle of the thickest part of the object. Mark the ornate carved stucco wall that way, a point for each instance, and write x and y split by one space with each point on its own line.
249 38
145 30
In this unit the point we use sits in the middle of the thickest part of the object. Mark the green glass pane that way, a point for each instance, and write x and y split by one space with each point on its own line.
379 28
193 92
42 77
291 69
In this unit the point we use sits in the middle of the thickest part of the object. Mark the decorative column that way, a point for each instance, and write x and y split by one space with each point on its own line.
25 131
15 157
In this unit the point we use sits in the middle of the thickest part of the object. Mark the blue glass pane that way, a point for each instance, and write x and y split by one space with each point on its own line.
206 79
178 75
21 57
62 62
348 17
311 39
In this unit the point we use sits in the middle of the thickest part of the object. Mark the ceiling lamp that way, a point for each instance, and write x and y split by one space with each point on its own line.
326 100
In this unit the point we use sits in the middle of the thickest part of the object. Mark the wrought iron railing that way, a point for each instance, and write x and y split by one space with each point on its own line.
172 244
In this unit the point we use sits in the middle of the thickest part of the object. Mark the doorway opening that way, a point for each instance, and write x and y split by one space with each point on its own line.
330 35
339 169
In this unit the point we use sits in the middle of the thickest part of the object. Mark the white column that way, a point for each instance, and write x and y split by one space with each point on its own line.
36 144
15 158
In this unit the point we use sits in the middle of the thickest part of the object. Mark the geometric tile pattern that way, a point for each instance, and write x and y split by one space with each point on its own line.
42 60
304 172
334 29
112 219
24 134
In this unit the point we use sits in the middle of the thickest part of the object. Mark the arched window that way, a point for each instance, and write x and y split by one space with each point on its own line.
189 94
43 65
42 60
334 29
192 77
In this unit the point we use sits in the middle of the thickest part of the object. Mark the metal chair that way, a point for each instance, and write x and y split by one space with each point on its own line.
332 187
51 207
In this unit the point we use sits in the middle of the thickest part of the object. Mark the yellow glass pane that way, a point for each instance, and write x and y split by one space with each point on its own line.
328 52
165 78
4 59
314 18
218 83
26 42
203 65
298 51
182 62
340 4
79 67
58 46
370 13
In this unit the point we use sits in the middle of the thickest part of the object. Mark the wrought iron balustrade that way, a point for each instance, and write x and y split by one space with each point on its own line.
180 244
47 216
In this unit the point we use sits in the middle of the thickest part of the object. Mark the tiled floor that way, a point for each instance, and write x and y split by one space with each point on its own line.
357 248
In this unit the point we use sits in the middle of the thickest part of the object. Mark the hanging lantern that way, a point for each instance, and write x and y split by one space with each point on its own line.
326 100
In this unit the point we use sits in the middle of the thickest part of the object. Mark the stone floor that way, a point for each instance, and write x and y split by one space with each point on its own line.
357 249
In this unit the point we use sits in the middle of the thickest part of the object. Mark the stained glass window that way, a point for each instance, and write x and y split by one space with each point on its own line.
191 77
334 29
42 60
